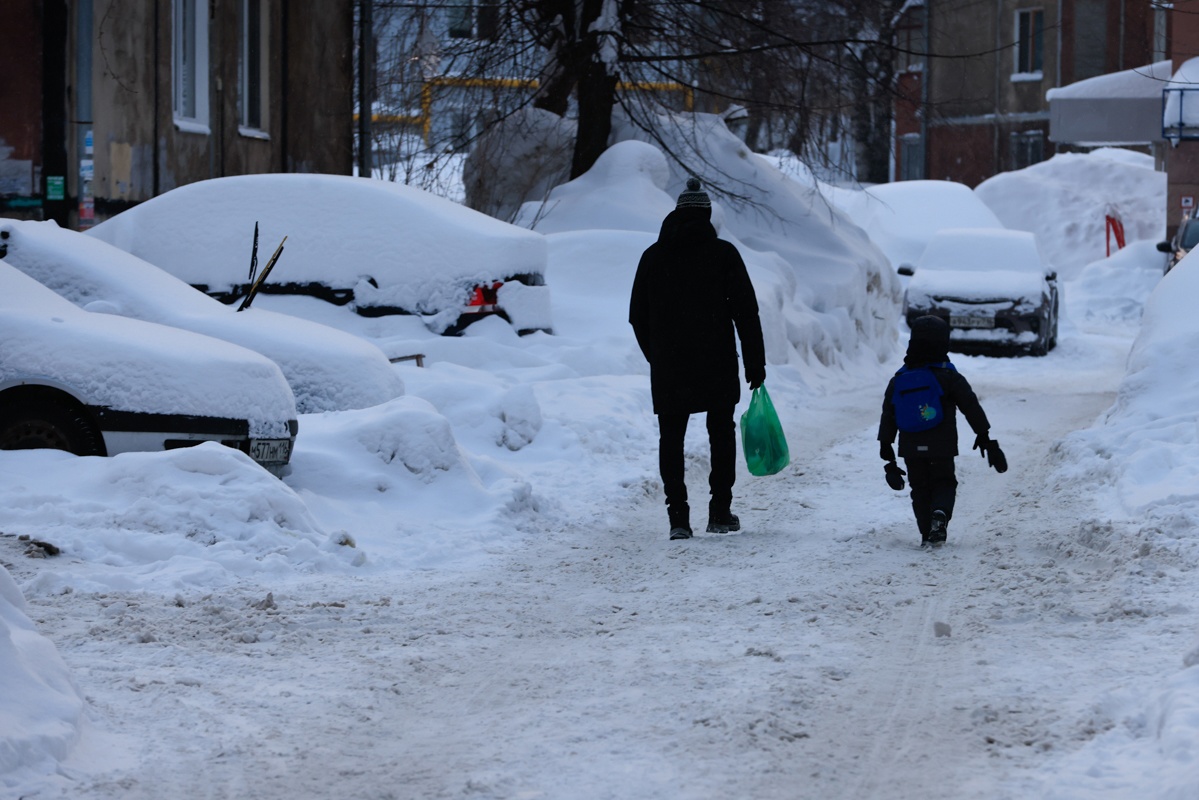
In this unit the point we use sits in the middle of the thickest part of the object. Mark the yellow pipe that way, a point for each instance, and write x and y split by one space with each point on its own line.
425 120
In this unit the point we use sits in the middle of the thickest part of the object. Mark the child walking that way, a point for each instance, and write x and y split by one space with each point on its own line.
921 404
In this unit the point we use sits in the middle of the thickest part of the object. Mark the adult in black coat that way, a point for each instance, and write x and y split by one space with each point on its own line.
929 455
690 292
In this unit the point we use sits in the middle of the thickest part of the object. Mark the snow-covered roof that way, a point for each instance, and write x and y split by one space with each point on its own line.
1180 115
1120 108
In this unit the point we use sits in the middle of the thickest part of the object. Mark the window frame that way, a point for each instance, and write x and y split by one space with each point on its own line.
911 157
1028 148
1028 47
189 35
253 71
910 43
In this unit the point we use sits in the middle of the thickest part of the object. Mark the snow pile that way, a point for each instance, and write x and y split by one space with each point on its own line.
1111 293
398 471
184 520
808 261
1146 445
902 217
40 708
1143 456
327 369
1065 201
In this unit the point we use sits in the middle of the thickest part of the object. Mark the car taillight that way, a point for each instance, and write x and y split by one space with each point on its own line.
484 296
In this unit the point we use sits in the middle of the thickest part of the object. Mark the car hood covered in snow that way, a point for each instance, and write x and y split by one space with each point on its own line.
328 369
933 286
130 365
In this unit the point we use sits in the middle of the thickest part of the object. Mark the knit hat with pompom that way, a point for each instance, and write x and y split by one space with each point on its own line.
694 197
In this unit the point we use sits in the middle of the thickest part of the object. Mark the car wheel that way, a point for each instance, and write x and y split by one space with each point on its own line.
48 424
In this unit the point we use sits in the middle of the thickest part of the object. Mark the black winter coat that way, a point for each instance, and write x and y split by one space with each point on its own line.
941 441
691 289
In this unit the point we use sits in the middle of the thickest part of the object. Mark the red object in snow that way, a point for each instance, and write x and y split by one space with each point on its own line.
484 298
1114 226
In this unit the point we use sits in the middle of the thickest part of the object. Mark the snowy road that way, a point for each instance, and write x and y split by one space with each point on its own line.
818 654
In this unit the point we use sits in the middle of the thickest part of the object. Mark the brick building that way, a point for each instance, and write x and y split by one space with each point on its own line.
105 104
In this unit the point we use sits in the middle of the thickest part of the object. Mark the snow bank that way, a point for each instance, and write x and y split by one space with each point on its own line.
1065 200
183 520
40 708
808 261
901 217
1143 456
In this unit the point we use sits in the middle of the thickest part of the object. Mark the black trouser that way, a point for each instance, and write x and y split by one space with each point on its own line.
934 487
722 439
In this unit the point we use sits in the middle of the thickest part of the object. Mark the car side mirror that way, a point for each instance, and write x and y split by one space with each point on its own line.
1051 275
1164 247
906 270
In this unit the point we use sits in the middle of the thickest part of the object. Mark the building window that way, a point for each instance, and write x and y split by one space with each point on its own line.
473 19
252 69
1030 42
189 64
1028 148
909 40
911 157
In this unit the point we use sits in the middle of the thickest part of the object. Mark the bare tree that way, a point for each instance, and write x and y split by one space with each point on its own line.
799 73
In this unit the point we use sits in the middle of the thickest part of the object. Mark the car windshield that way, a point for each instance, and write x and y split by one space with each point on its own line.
1190 235
981 250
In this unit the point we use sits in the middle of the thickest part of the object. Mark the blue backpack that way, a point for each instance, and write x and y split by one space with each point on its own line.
917 398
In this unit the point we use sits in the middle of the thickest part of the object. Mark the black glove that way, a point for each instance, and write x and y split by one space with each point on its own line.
894 475
982 444
755 376
996 458
885 451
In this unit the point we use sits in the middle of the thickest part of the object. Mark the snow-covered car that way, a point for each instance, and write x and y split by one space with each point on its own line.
993 287
1185 239
100 385
328 369
385 248
901 217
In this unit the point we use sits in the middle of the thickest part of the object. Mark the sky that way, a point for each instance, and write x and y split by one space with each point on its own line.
468 590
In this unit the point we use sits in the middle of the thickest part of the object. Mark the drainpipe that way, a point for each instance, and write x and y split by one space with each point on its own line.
154 179
285 89
926 76
998 82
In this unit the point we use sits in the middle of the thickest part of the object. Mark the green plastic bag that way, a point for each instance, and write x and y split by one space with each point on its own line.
762 436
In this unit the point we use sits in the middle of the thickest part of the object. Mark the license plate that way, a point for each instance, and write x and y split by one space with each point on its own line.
270 451
972 322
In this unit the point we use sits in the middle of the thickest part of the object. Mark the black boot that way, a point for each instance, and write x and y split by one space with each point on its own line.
680 521
939 529
721 520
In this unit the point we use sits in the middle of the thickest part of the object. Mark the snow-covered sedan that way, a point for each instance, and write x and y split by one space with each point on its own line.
328 369
993 287
382 247
98 384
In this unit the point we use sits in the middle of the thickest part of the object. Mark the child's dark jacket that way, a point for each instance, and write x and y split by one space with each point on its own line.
941 441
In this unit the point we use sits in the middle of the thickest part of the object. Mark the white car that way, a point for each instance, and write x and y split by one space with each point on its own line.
993 287
384 248
97 384
328 369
